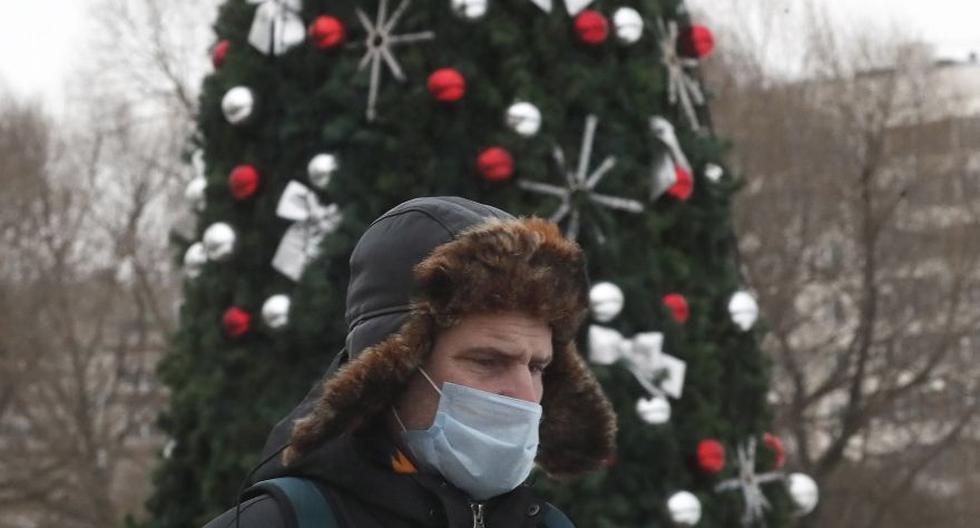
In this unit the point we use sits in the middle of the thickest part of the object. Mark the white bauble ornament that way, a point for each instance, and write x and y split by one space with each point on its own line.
469 9
655 410
713 172
685 508
194 260
605 301
744 309
168 449
321 170
804 492
524 118
605 345
628 25
237 105
194 193
219 241
275 311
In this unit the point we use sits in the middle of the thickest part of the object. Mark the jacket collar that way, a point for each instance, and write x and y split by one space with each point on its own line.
367 464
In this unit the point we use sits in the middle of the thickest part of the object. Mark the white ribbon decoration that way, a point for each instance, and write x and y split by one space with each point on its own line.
277 26
665 172
645 357
313 221
572 6
749 483
664 130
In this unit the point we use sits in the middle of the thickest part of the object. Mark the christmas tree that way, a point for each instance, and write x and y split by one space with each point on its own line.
321 115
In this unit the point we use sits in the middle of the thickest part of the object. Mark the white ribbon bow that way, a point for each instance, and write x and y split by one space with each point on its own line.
658 372
313 221
277 26
572 6
665 172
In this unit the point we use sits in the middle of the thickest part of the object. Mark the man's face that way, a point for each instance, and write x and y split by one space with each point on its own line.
501 353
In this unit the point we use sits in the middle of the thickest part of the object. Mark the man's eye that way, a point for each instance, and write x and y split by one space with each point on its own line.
485 362
538 368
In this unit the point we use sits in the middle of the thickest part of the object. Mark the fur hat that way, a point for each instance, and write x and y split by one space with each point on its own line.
493 263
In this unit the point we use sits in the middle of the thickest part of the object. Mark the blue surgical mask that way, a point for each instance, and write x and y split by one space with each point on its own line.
483 443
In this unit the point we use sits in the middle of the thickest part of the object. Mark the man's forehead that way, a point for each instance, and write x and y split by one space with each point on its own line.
508 332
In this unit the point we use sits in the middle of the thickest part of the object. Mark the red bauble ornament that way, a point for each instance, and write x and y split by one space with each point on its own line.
678 307
683 185
711 456
219 52
774 444
327 32
243 182
591 27
495 164
696 41
236 322
447 85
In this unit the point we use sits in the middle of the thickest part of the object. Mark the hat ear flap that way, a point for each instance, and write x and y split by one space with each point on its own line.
578 425
364 387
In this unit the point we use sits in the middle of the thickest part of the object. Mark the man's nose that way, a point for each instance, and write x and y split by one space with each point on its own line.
520 384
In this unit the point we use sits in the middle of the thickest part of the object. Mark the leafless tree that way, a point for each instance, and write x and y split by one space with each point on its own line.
151 54
85 303
856 228
87 288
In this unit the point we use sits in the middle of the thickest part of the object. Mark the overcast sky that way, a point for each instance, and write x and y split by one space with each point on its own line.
953 26
40 40
38 43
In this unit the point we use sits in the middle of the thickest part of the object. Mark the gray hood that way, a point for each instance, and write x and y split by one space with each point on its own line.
381 282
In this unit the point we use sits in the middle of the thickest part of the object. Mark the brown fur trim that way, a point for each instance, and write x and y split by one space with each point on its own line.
364 387
521 265
517 265
578 426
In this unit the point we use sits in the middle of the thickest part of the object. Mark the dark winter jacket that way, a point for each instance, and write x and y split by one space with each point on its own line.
371 485
418 268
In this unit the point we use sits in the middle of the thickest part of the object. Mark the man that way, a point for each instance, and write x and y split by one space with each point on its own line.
460 373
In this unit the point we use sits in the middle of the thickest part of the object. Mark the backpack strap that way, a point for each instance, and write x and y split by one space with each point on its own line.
300 500
552 517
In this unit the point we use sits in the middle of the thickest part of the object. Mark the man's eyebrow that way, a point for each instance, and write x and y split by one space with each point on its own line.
490 349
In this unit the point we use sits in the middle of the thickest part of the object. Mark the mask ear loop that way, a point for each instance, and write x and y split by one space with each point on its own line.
426 374
415 456
399 420
395 411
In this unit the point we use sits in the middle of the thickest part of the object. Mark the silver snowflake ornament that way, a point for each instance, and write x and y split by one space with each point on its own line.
581 183
750 484
682 88
379 45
